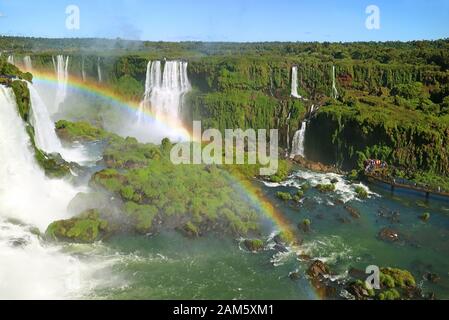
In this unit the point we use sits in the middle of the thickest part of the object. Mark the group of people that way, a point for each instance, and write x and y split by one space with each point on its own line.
373 164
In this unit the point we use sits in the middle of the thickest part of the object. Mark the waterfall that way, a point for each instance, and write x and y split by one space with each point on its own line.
30 269
288 128
83 72
45 135
62 73
334 84
294 92
298 141
20 175
27 64
10 59
164 91
100 77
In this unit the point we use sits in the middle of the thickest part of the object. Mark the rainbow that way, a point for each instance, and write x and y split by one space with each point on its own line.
95 89
98 90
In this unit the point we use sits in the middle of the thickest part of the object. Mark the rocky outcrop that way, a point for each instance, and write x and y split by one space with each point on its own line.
316 166
88 227
254 245
389 235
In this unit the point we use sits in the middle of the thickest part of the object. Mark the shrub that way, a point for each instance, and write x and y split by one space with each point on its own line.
284 196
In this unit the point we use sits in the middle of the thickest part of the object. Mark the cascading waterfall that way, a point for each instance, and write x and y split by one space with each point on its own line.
298 141
20 176
29 269
10 59
45 135
334 84
294 92
27 64
100 76
164 92
62 73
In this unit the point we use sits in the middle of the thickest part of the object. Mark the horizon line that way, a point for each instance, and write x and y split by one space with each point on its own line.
223 41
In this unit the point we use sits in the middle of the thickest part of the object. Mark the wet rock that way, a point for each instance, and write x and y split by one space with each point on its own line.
318 269
343 220
281 238
190 230
352 211
389 235
304 257
391 216
357 273
280 248
316 166
19 242
432 277
431 296
294 275
360 291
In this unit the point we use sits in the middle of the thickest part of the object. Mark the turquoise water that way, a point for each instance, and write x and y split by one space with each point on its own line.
423 246
169 266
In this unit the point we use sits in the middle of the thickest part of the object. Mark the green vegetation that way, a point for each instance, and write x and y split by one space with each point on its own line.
80 131
326 187
410 141
361 192
393 277
284 196
395 284
254 245
390 294
9 71
85 228
425 216
393 100
194 199
298 196
23 99
305 225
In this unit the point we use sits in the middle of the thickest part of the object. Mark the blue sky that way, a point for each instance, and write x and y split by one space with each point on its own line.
229 20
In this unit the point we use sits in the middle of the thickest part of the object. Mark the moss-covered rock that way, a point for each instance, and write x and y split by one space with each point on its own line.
195 200
191 230
86 228
254 245
402 278
23 98
80 131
